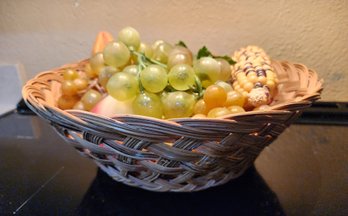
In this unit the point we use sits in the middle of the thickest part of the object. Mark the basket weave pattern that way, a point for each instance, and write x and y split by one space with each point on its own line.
180 154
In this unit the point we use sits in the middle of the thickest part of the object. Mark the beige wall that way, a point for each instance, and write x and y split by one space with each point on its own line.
45 34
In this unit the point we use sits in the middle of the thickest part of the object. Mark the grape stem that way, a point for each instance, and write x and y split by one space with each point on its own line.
141 87
142 59
198 88
142 63
141 66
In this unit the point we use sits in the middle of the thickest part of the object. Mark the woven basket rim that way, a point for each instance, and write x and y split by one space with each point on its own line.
273 109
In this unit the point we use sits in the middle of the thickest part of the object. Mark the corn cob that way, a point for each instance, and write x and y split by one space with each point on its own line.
253 76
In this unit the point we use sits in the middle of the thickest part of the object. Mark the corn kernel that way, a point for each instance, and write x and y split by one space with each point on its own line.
269 74
262 79
252 79
247 86
270 84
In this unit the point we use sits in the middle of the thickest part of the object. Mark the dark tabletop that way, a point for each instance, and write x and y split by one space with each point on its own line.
304 172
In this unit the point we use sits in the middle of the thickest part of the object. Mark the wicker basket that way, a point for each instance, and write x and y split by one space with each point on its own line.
180 154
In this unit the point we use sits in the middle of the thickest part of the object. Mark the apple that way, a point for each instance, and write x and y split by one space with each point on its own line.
109 107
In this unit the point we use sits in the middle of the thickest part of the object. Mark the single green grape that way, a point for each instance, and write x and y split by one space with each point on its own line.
181 49
132 70
130 37
146 49
161 51
225 86
181 77
147 104
207 69
105 75
97 62
122 86
116 54
178 104
70 74
156 44
179 55
90 99
225 70
154 78
179 58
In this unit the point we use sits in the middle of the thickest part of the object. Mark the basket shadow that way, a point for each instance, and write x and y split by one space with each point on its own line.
247 195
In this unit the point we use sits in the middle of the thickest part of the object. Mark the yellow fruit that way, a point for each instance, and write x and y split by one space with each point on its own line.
102 39
234 98
200 107
236 109
218 111
67 102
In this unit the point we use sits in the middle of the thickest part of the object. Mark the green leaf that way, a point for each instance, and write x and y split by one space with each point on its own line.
204 52
227 58
181 43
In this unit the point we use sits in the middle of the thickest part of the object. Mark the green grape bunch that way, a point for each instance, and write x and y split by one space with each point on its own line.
163 80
